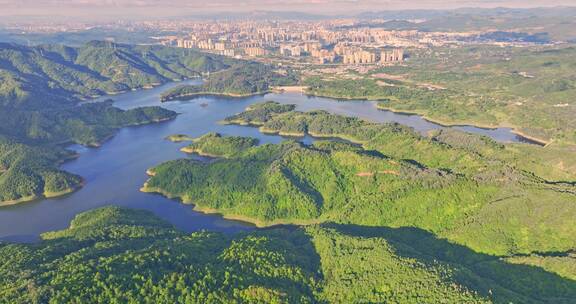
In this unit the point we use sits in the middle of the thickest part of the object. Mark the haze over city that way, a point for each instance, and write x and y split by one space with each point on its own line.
154 8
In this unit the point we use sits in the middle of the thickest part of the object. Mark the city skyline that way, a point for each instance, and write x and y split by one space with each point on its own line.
95 9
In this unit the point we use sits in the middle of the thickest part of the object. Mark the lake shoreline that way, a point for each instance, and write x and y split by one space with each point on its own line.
444 123
190 96
189 150
101 168
222 213
154 85
76 187
44 195
306 91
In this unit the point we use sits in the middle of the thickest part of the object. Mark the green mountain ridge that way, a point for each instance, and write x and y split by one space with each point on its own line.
373 213
53 73
42 90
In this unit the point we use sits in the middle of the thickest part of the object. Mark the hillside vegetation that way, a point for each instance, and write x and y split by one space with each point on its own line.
215 145
27 172
41 94
114 255
462 187
241 79
529 89
29 150
47 75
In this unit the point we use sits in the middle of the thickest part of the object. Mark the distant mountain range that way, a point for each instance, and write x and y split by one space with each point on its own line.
557 22
485 12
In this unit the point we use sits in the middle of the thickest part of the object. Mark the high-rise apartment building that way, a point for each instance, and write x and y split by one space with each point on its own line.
395 55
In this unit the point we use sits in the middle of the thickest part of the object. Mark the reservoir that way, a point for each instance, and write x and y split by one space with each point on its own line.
115 171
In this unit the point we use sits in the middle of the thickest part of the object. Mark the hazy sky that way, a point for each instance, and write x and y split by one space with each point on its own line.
179 7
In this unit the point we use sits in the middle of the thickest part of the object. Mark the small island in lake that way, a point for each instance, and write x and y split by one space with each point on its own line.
216 145
179 138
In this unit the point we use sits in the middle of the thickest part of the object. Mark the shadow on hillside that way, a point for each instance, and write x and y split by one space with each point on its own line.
488 275
297 250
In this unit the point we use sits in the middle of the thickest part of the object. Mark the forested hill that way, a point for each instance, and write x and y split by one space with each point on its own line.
41 88
241 79
114 255
498 199
34 77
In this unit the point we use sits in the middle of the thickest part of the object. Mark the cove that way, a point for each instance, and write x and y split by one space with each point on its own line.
115 171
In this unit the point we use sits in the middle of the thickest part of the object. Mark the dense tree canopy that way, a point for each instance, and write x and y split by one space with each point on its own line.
41 94
466 188
115 255
240 79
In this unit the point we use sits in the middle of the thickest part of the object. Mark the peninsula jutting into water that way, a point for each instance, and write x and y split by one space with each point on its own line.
123 160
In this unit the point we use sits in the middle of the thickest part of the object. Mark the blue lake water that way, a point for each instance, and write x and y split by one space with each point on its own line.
115 171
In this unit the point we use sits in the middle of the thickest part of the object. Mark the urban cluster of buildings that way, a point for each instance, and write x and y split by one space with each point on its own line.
335 41
220 35
357 55
222 47
315 42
